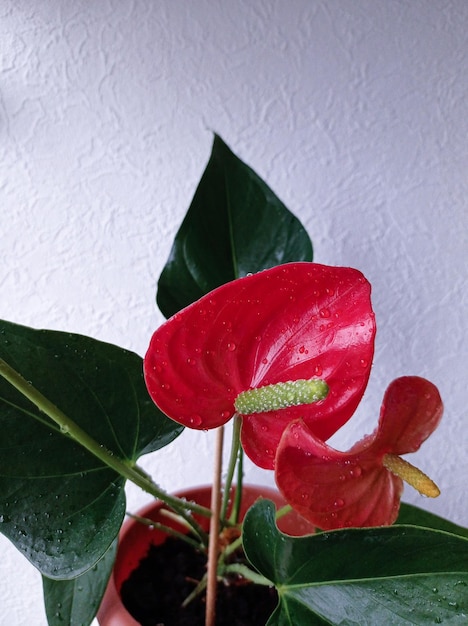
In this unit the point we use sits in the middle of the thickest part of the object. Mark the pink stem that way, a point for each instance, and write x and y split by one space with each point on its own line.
213 546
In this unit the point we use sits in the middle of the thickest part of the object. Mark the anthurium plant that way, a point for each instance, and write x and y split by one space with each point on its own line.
280 347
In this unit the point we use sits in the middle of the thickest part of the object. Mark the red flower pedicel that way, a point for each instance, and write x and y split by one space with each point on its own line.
361 487
298 321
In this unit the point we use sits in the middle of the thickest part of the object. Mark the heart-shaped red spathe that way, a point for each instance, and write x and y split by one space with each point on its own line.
294 321
335 489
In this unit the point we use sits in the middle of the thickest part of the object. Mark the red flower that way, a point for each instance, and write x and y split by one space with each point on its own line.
335 489
291 322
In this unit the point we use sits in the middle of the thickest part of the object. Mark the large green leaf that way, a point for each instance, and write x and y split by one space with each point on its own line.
391 575
415 516
235 225
75 602
59 504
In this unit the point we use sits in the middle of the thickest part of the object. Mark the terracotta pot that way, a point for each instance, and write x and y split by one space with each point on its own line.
135 539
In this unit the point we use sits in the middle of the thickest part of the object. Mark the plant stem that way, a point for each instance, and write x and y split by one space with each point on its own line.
168 530
233 458
126 469
236 506
197 591
213 546
248 574
231 548
284 510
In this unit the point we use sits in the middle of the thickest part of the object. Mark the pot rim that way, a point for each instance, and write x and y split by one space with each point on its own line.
112 612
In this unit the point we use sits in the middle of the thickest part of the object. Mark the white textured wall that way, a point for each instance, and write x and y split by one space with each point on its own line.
354 111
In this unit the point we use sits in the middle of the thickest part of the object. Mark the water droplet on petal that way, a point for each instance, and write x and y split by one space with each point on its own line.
231 346
356 471
339 502
324 312
195 420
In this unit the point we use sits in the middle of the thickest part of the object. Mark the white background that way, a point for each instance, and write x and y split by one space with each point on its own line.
354 112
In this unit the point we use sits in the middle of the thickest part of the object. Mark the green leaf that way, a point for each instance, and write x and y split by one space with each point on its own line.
59 504
390 575
75 602
415 516
235 225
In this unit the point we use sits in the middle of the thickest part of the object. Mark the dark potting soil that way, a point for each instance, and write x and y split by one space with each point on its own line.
154 592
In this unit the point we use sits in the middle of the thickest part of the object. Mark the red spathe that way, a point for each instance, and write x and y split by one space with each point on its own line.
294 321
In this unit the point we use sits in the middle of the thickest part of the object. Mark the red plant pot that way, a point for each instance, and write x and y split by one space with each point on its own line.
135 539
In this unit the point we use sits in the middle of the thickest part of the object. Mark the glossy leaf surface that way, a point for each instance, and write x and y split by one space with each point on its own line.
75 602
414 516
392 575
334 489
292 322
59 504
235 226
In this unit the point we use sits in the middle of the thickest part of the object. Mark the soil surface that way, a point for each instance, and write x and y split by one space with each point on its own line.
154 592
